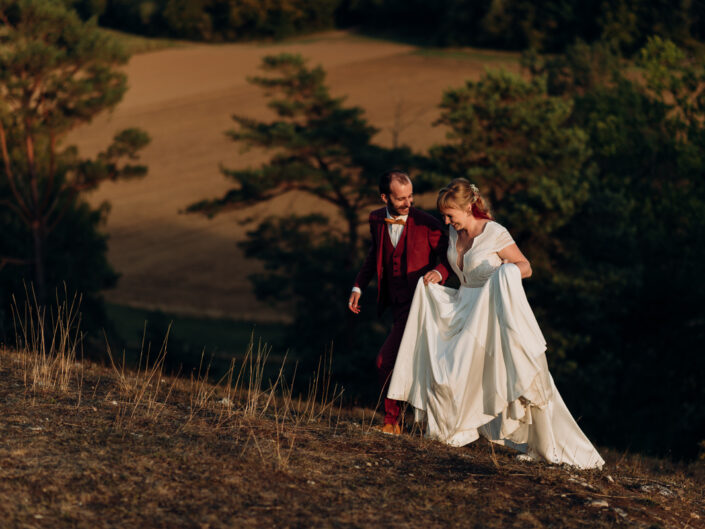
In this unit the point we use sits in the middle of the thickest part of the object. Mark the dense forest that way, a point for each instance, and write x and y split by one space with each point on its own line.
547 25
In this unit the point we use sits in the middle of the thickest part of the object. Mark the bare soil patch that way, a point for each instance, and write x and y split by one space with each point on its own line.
184 98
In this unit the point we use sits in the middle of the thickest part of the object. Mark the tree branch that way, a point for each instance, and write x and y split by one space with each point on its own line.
341 198
73 193
11 260
25 218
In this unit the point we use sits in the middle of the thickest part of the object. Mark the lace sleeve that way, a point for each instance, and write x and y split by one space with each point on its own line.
502 238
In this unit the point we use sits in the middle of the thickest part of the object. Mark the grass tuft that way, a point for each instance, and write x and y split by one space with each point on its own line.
48 341
141 393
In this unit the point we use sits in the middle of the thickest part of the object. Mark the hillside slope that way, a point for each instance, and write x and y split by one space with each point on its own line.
86 446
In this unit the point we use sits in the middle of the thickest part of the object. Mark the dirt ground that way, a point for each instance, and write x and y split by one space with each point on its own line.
184 97
117 449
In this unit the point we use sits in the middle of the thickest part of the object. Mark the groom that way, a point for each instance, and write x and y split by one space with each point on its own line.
407 244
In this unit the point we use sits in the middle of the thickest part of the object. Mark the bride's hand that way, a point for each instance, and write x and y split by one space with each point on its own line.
431 277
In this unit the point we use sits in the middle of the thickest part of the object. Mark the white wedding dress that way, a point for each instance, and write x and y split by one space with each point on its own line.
472 361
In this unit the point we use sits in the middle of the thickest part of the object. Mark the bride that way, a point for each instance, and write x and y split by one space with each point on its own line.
472 361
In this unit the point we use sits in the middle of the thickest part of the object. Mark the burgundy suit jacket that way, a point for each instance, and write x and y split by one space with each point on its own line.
426 247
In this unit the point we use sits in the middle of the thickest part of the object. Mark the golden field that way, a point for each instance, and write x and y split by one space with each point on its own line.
184 97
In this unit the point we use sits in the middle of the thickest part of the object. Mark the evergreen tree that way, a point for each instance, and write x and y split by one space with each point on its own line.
323 148
320 147
56 73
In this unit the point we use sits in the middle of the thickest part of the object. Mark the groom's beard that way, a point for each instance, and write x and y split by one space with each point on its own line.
401 211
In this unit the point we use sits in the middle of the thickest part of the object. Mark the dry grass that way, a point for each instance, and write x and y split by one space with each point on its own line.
142 392
134 448
48 340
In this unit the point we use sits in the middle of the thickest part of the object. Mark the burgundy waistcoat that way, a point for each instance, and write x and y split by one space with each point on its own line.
394 265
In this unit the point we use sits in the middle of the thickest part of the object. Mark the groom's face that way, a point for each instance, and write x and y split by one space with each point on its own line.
400 198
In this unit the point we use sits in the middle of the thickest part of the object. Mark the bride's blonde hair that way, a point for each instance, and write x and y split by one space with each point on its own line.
461 194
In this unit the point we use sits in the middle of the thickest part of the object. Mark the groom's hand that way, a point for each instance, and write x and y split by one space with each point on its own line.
354 302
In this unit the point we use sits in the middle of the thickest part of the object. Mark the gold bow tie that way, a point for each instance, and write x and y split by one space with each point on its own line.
398 220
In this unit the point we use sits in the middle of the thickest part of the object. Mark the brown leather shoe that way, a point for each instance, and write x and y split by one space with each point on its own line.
389 429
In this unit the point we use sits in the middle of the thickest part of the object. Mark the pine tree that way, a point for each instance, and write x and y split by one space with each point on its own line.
56 73
323 148
319 146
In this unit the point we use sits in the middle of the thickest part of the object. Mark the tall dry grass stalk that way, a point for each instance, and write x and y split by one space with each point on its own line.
247 397
201 390
321 399
247 388
48 340
241 390
257 399
141 392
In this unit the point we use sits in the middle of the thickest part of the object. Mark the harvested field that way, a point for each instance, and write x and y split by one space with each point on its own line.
184 98
125 449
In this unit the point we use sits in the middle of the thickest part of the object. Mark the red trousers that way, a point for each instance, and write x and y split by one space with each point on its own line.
387 356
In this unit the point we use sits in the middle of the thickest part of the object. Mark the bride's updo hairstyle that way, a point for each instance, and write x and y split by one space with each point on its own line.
461 194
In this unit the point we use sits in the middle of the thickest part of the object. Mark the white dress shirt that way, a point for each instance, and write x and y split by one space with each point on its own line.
395 230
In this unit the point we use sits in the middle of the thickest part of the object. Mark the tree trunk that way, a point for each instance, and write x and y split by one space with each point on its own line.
39 272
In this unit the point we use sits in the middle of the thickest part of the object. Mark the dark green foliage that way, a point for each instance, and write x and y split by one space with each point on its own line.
142 17
322 148
518 145
76 263
87 9
56 73
548 25
630 297
581 67
186 18
408 16
217 20
627 24
602 181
